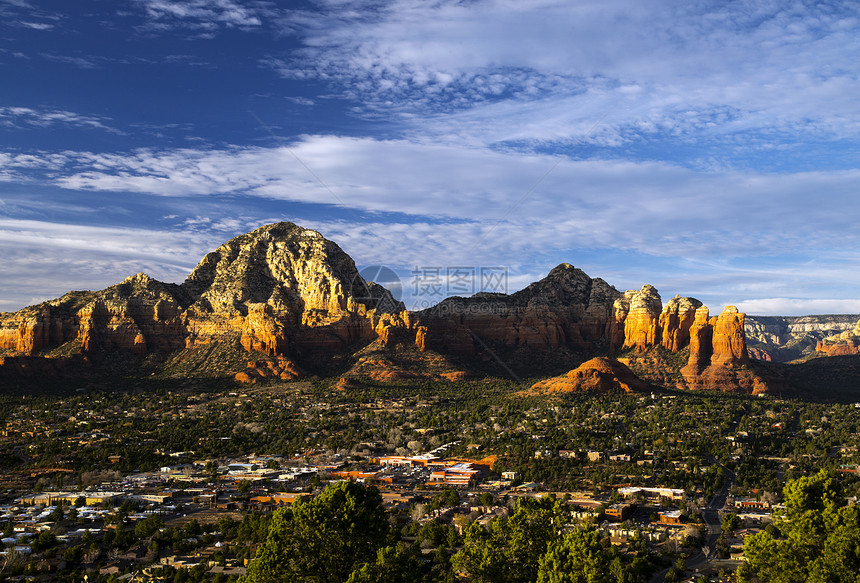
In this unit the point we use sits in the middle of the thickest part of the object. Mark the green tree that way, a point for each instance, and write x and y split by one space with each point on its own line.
510 549
148 526
73 554
821 542
577 557
324 539
731 522
45 540
392 566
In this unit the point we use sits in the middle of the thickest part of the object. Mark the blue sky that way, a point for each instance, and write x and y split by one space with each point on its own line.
711 149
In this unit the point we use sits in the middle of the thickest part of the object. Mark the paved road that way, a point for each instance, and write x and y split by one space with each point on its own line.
710 514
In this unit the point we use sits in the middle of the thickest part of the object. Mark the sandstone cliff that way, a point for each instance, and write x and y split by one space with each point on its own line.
786 338
841 344
278 299
569 311
565 309
718 355
278 290
596 375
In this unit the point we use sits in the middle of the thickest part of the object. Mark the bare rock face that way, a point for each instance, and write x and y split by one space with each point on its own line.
701 343
641 323
138 315
273 368
421 338
596 375
718 355
565 309
277 289
842 344
729 342
787 338
677 318
263 332
283 285
304 277
287 295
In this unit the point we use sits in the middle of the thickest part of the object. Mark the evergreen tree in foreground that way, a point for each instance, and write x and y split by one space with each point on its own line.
324 539
820 542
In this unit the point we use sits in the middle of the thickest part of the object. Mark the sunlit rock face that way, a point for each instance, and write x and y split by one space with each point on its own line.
841 344
595 375
287 296
274 289
787 338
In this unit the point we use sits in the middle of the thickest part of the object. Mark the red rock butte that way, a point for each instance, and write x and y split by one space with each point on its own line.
599 374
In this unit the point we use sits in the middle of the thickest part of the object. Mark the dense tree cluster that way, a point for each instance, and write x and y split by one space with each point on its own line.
818 539
342 535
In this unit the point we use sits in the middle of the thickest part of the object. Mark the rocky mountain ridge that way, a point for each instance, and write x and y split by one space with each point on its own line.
278 290
286 298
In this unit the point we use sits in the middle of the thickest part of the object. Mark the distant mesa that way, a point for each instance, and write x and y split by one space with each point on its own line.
788 338
843 344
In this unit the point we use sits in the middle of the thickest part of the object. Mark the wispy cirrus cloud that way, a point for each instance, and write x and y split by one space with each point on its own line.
647 207
205 15
540 71
24 14
79 62
11 116
92 257
36 25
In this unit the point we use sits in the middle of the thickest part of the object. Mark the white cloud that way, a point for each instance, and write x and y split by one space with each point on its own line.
649 207
542 70
718 236
301 100
41 117
200 14
79 62
799 307
37 25
43 260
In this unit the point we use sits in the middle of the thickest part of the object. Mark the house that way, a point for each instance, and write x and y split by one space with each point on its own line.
620 512
669 517
673 494
748 504
461 474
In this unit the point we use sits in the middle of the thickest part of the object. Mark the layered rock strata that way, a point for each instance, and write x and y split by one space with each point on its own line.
786 338
843 344
565 309
279 290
